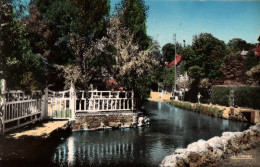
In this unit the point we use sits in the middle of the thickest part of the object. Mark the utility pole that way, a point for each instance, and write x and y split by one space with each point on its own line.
175 63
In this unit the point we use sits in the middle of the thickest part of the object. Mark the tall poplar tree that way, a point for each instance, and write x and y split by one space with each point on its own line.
133 13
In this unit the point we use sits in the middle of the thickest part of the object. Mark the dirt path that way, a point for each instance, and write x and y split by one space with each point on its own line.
155 97
43 130
25 146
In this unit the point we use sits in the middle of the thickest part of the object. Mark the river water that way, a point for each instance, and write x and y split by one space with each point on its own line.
170 128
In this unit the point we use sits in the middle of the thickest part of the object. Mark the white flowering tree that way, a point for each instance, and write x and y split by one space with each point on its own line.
124 60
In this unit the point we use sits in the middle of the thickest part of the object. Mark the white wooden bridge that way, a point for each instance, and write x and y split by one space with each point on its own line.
19 109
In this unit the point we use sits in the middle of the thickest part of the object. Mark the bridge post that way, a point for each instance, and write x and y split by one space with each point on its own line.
44 105
72 102
2 106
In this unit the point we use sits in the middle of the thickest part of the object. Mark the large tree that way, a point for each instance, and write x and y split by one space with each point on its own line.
168 51
21 67
133 13
93 13
83 17
207 53
40 33
234 70
121 59
237 45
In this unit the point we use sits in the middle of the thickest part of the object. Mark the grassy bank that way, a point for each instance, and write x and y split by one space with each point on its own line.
211 111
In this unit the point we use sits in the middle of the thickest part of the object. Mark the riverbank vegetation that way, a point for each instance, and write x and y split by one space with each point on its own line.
211 111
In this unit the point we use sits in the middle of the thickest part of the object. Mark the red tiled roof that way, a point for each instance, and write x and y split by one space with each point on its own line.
257 50
178 59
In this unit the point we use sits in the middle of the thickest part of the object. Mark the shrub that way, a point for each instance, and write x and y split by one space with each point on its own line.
208 110
216 112
181 105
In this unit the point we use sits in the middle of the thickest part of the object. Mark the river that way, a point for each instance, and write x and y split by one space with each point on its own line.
170 128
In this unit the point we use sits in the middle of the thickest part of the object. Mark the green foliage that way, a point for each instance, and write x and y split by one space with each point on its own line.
21 68
65 16
246 96
191 95
237 45
134 13
168 51
61 18
251 60
206 52
196 72
141 85
62 15
168 76
221 95
211 111
156 74
234 70
85 18
183 105
254 75
93 14
102 61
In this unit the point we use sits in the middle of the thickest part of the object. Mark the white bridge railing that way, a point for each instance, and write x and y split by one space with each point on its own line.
95 101
19 109
60 104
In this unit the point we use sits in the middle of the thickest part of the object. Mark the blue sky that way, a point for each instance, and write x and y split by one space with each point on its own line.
223 19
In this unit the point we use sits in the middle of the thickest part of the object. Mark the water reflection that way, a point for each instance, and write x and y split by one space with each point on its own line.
71 154
170 128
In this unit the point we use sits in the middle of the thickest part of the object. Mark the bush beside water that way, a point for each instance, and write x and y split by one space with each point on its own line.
183 105
211 111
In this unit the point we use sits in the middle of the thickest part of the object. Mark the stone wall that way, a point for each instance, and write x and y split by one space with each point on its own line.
205 153
98 121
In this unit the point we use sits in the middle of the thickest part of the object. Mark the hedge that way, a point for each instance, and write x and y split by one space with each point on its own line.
221 95
246 96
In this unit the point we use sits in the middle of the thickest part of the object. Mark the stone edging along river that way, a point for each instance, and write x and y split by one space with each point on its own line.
204 153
